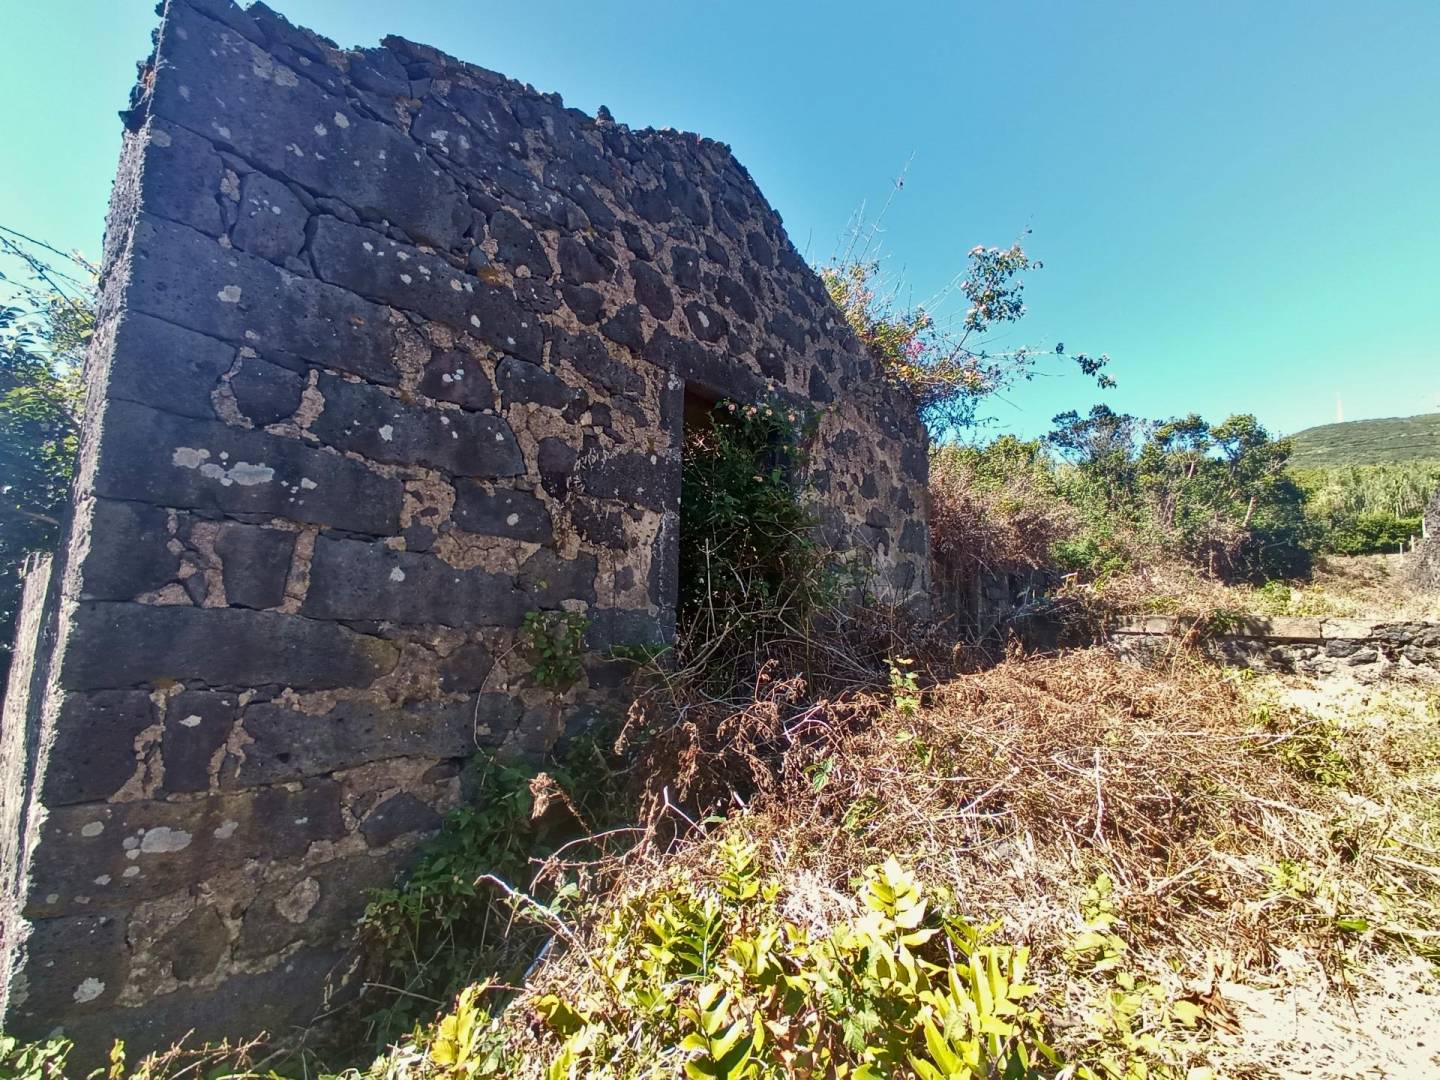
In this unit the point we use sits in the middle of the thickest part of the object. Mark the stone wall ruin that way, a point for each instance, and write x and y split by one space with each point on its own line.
391 351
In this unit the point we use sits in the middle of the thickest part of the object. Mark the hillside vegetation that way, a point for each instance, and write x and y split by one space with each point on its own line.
1369 442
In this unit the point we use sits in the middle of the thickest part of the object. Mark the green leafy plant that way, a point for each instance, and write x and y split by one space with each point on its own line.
33 1061
554 641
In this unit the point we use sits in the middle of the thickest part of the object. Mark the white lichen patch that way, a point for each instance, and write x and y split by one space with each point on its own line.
163 840
397 574
230 294
92 828
89 990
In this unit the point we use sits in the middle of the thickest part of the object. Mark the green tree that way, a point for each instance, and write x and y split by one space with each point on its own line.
45 326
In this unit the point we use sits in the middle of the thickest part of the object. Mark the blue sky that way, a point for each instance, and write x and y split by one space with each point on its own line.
1239 202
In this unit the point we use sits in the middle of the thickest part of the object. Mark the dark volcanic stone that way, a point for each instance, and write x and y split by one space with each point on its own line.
395 817
651 290
255 563
288 745
651 480
518 245
157 362
625 328
354 580
270 221
94 751
525 382
194 946
370 422
131 556
402 275
514 514
197 723
217 82
266 393
172 461
124 645
187 278
458 377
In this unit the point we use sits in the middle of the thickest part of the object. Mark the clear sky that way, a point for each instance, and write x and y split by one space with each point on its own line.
1238 201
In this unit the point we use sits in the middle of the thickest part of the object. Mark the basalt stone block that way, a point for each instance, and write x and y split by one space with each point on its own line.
129 553
651 290
547 580
197 724
166 846
651 480
467 670
626 328
314 904
173 461
94 752
588 354
185 277
354 580
116 646
232 91
288 745
266 393
556 461
181 179
283 998
581 264
685 267
157 362
521 381
734 296
517 244
398 816
365 262
270 221
254 563
717 374
503 512
458 377
193 947
587 304
706 323
366 420
89 959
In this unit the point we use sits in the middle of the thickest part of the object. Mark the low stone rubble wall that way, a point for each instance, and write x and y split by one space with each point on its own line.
1315 646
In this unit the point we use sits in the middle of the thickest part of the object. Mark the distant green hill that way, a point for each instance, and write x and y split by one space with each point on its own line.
1369 442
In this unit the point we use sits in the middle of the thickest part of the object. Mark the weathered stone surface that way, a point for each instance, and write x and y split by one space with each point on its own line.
374 266
127 645
354 580
368 421
317 904
158 363
173 461
94 752
458 377
229 90
270 221
193 948
287 745
503 512
171 844
197 725
524 382
185 277
398 816
134 558
266 393
651 480
255 563
392 351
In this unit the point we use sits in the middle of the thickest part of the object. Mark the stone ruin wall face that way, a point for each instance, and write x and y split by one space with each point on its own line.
392 351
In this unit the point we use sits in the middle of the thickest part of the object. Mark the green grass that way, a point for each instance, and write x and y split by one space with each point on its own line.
1369 442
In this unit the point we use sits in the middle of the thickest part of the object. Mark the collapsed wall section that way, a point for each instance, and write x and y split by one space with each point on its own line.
392 351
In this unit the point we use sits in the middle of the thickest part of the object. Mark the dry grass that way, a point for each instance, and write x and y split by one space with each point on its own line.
1012 790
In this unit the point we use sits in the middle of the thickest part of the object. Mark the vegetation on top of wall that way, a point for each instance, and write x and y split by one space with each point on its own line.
946 364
